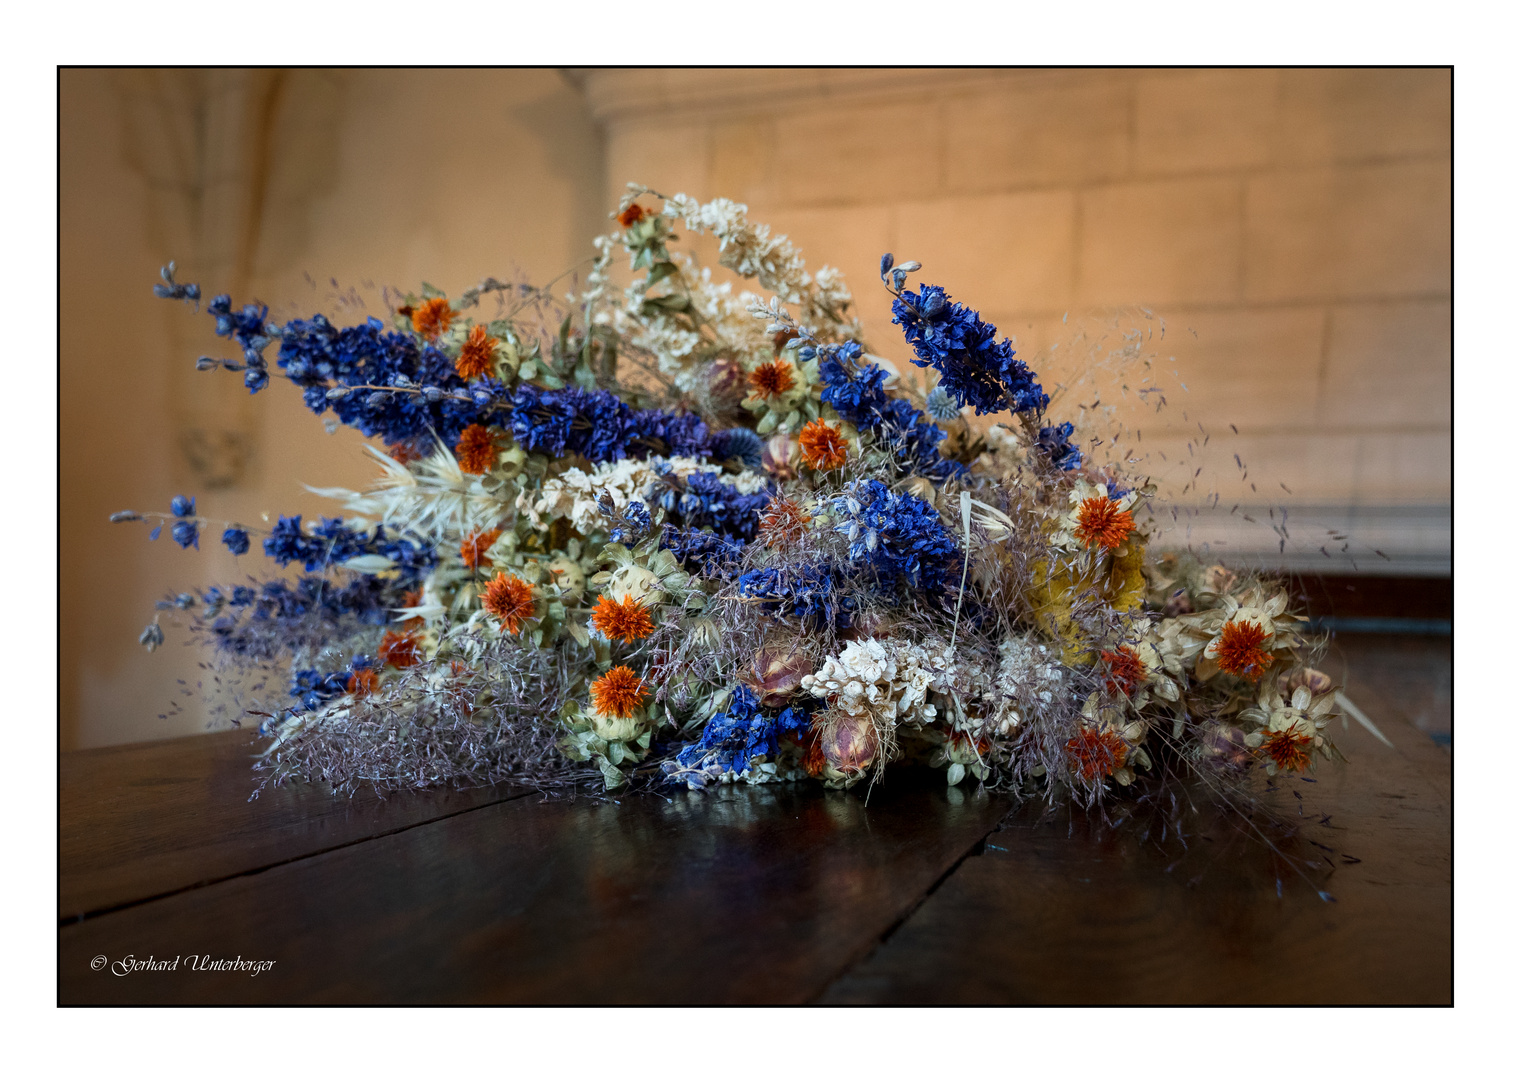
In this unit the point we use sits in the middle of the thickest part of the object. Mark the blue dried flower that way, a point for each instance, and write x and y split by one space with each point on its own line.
900 535
331 543
1056 444
311 687
939 405
975 368
236 540
182 506
186 534
811 595
628 525
736 736
701 500
703 553
739 444
856 389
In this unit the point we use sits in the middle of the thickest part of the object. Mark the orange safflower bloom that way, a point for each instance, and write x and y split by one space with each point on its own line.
632 216
812 757
476 451
477 358
1099 523
509 599
618 693
625 619
772 379
1126 671
400 650
413 599
1239 650
363 682
1289 749
475 545
431 317
1095 753
823 447
782 523
404 453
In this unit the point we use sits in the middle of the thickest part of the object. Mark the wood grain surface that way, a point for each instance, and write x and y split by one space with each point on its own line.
747 894
1067 912
149 819
772 894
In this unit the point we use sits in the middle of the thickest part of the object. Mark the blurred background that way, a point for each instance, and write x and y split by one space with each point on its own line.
1281 239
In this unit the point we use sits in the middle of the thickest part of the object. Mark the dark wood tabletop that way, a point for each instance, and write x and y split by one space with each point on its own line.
781 893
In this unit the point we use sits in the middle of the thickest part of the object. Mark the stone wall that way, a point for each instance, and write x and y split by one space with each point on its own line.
1291 229
292 187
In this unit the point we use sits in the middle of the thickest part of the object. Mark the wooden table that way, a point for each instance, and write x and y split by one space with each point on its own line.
773 894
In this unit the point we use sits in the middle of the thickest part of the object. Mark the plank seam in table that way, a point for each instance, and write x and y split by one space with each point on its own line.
264 868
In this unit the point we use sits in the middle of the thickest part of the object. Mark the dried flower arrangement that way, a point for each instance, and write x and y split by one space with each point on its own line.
690 536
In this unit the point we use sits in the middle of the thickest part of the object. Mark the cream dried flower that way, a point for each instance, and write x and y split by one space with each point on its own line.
1096 521
1030 678
1289 731
887 681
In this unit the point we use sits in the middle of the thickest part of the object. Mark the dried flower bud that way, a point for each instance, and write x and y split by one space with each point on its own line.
1316 681
849 747
780 456
152 637
779 668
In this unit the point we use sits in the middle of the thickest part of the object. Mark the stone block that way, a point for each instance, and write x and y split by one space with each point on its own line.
1002 252
1204 121
845 155
1388 365
671 158
742 159
1351 231
1402 467
1073 130
1161 242
1344 115
1257 370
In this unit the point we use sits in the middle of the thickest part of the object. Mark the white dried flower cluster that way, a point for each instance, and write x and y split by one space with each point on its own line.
681 353
884 680
573 494
1029 676
750 251
597 279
